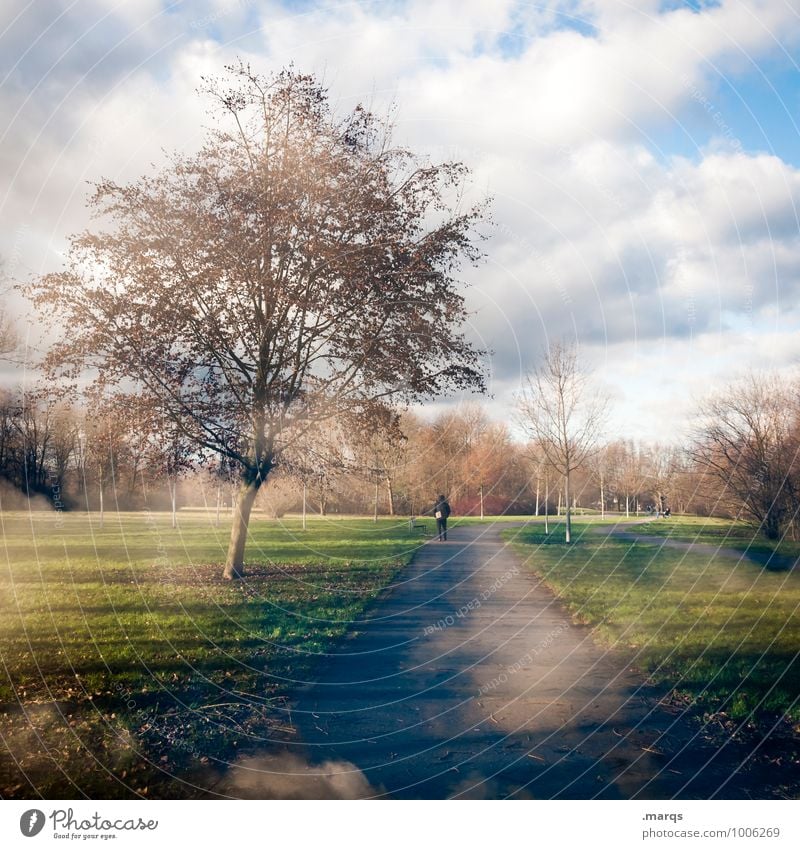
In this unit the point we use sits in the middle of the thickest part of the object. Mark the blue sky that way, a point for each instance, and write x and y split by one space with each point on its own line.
644 157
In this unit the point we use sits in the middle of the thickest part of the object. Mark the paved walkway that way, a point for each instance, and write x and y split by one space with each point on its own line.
468 679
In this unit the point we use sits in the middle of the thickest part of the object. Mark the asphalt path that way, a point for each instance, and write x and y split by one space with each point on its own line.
469 679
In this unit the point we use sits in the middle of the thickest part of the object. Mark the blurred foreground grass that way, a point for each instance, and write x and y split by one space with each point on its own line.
128 663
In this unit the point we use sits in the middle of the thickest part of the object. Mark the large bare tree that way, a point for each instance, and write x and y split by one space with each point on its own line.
563 413
748 443
297 266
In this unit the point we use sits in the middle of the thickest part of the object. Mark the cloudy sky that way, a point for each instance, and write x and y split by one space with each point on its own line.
644 157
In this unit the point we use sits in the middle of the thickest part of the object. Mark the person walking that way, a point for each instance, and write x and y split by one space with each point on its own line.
441 511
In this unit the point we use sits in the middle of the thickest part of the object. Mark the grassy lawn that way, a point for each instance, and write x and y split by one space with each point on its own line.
723 634
577 519
722 532
127 660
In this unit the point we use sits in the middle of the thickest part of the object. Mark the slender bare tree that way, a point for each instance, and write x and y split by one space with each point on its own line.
379 450
563 413
632 474
600 471
9 336
662 463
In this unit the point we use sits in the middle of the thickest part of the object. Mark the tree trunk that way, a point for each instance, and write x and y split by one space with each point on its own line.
602 499
537 495
390 493
102 511
304 505
234 565
173 494
771 526
546 505
375 517
219 499
558 509
627 506
481 501
568 531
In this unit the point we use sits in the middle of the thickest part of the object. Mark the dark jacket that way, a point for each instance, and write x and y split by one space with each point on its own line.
442 505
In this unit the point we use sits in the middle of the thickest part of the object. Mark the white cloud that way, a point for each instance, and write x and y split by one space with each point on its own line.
559 110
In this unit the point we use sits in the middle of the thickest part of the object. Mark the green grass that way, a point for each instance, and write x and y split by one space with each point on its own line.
741 536
577 519
721 633
126 659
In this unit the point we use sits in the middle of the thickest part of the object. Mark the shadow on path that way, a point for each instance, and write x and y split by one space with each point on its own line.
468 679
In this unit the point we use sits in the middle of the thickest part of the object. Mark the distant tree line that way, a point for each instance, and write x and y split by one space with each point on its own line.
742 463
